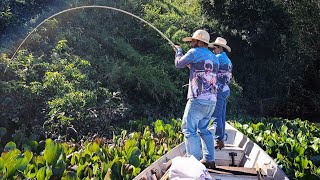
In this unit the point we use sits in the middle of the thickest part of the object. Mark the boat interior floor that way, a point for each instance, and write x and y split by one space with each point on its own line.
229 165
229 172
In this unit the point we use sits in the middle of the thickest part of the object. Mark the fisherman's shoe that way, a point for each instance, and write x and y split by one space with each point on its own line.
220 144
208 164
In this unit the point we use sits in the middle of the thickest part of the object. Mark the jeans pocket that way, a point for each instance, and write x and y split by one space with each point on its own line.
199 110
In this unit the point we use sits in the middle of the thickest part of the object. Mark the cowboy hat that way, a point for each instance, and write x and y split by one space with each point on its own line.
200 35
220 42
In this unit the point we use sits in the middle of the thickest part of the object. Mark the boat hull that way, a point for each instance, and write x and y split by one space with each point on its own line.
239 155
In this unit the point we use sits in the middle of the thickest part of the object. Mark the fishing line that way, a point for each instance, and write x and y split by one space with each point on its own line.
93 6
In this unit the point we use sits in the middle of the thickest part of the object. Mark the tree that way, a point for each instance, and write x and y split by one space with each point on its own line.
265 36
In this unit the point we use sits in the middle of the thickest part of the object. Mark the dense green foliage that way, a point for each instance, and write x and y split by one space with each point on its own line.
123 158
275 52
72 72
275 22
17 16
294 144
130 152
274 44
55 92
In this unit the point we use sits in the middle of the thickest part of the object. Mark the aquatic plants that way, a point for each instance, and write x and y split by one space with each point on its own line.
123 158
294 144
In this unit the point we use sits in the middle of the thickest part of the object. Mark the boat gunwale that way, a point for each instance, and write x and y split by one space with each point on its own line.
160 163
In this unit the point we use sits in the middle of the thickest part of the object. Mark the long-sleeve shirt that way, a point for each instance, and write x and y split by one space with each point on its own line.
224 73
204 67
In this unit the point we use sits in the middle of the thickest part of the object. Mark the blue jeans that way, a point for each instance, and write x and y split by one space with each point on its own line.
198 139
220 113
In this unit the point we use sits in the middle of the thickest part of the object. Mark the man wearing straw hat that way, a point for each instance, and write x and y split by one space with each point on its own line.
202 96
224 76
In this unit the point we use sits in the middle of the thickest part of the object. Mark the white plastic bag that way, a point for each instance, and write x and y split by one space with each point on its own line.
187 168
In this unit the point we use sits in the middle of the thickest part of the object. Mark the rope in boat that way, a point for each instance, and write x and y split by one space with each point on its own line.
93 6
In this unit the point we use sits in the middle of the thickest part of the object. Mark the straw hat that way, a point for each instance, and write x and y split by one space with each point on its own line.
220 42
200 35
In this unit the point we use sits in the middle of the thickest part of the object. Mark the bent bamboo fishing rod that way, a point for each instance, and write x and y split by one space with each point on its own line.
93 6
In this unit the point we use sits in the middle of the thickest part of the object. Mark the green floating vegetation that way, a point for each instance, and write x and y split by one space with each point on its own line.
294 144
125 158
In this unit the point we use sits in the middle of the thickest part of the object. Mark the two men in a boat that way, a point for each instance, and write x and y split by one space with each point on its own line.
202 95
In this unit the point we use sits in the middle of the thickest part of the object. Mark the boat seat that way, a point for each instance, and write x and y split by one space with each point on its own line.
229 172
229 156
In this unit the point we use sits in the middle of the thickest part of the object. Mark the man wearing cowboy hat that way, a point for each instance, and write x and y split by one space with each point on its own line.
202 96
224 76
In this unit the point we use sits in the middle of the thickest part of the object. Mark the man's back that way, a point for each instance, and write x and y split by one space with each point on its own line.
203 72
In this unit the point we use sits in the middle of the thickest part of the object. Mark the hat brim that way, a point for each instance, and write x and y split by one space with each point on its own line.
188 39
222 45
